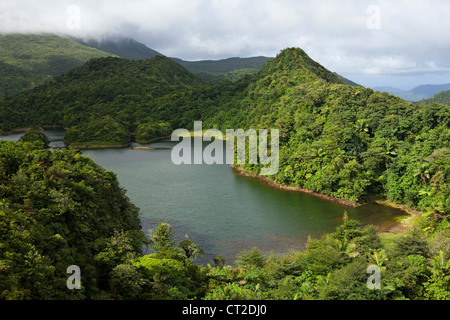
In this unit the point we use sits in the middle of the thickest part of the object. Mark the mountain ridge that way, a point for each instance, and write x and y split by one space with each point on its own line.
440 97
30 59
417 93
123 47
346 142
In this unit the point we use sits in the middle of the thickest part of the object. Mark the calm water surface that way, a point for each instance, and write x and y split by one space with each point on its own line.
222 212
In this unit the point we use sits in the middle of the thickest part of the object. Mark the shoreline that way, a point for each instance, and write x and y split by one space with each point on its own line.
16 130
149 148
151 140
96 146
403 225
240 171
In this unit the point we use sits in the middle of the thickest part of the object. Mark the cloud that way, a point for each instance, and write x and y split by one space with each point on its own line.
367 37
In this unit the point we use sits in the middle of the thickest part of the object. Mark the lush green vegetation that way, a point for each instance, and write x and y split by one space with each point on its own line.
224 65
216 77
130 92
122 47
58 208
413 266
441 97
152 130
14 79
98 132
29 59
345 141
231 69
33 135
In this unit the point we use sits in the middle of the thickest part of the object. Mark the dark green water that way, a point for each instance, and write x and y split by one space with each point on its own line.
223 212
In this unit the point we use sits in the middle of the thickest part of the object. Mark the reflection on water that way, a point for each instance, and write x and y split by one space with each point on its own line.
222 212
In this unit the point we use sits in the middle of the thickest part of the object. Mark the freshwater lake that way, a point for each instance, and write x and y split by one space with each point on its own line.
222 212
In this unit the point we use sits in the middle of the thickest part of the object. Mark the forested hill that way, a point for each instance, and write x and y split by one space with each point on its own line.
158 70
441 97
297 66
58 208
123 47
344 141
131 92
30 59
348 142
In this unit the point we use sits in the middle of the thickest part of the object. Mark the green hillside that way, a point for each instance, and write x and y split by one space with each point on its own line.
345 141
130 92
68 211
28 59
216 77
224 65
441 97
231 69
14 79
122 47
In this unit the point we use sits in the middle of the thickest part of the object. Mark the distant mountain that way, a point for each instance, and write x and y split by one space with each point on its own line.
418 93
232 69
441 97
123 47
214 71
132 91
224 65
30 59
430 90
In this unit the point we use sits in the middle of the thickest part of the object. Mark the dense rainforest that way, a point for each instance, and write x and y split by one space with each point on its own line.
348 142
60 209
27 60
442 97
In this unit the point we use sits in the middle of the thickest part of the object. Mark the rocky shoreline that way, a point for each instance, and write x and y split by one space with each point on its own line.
402 227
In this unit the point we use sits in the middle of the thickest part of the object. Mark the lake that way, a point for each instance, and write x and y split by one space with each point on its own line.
222 212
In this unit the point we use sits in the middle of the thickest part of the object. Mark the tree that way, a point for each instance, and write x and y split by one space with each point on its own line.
33 134
161 236
254 257
191 249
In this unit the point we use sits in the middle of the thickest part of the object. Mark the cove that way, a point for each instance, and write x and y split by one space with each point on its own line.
221 211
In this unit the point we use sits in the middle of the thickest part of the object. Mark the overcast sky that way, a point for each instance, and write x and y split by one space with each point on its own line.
400 43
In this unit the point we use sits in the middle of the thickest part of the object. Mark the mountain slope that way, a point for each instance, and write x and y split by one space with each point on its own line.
441 97
344 141
300 67
130 91
429 90
34 58
123 47
224 65
347 142
231 69
14 79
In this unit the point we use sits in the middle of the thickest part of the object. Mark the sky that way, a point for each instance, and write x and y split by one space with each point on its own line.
402 43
